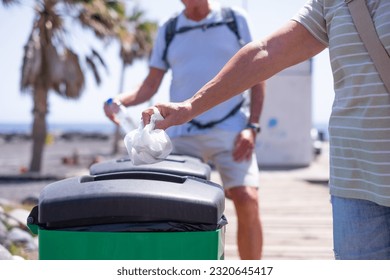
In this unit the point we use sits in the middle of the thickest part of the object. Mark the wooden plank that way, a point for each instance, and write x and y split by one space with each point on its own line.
296 214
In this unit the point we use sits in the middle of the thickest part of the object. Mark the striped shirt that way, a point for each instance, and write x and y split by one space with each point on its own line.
359 126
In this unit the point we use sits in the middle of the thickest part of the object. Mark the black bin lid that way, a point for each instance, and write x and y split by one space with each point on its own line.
174 164
130 197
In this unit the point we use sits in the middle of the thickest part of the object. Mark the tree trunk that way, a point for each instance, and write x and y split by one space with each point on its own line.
118 133
115 145
40 96
39 129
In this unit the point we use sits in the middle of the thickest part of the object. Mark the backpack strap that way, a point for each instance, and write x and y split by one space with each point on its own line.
229 19
170 32
366 29
211 124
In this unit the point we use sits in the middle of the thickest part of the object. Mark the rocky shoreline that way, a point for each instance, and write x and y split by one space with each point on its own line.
16 241
65 156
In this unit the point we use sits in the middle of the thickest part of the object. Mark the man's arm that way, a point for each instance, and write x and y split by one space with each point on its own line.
257 101
143 93
246 139
146 90
255 62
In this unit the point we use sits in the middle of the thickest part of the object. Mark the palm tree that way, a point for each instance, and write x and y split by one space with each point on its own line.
137 45
51 65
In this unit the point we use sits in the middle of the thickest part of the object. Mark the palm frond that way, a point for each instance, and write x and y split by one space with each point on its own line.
103 17
32 62
7 3
137 38
93 67
73 80
62 70
96 55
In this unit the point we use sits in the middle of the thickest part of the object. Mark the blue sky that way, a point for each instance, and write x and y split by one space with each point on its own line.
15 25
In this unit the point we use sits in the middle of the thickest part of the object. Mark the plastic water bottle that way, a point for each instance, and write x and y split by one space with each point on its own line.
125 121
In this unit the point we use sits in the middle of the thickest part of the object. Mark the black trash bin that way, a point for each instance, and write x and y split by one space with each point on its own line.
130 215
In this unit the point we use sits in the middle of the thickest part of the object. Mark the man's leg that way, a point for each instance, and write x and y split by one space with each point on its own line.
249 231
217 146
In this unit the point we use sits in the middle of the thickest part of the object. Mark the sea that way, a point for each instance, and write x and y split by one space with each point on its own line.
103 128
25 128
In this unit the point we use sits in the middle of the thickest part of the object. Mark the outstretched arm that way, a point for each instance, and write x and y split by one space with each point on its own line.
143 93
255 62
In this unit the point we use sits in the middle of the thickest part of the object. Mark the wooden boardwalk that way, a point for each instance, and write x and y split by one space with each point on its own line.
294 204
296 214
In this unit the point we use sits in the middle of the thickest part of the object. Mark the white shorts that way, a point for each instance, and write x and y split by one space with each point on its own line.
216 147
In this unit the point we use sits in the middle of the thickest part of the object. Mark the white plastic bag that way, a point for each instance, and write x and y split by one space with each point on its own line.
147 145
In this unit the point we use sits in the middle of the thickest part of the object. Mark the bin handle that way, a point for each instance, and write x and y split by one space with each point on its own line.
140 175
126 159
32 220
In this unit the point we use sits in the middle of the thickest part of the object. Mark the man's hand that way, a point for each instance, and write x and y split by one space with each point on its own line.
173 114
110 109
244 145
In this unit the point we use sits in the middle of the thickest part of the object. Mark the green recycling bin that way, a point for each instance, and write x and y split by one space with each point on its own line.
130 216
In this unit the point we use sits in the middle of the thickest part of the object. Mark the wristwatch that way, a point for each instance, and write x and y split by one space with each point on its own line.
254 126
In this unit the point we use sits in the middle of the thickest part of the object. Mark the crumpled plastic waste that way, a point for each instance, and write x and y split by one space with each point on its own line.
146 145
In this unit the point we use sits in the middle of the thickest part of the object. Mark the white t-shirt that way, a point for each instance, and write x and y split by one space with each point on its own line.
195 57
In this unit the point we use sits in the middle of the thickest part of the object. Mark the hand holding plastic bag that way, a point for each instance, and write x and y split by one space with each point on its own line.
147 145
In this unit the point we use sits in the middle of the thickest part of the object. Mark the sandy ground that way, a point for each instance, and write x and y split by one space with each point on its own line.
15 157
